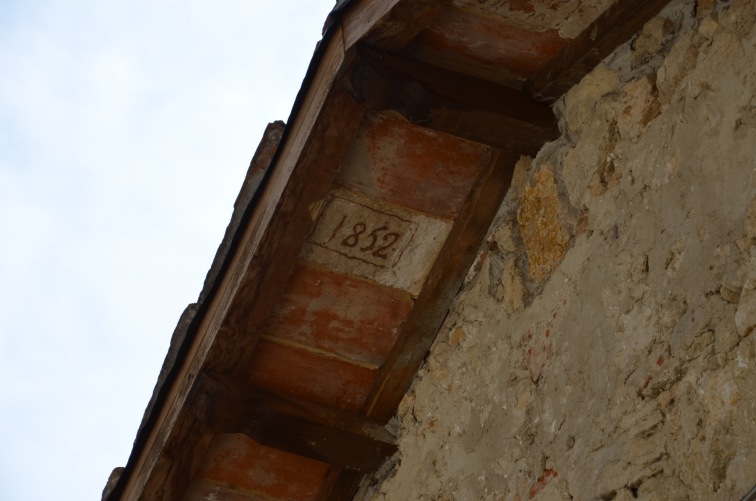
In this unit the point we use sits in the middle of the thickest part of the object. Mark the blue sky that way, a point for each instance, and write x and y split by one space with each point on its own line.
125 131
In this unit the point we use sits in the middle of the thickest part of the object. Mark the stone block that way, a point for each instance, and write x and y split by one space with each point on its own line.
639 106
580 102
542 216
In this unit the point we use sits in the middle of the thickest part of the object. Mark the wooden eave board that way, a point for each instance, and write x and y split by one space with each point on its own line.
356 242
255 470
259 236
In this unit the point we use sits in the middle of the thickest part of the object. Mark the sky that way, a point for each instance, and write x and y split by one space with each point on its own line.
126 128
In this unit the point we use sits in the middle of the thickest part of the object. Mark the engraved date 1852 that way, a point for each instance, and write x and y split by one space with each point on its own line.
361 233
376 242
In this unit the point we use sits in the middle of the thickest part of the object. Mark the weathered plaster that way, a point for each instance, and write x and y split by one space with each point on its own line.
622 364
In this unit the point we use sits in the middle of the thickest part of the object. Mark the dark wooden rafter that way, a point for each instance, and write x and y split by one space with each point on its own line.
170 477
611 29
277 249
389 24
252 181
180 459
450 102
443 283
342 484
277 227
315 431
433 303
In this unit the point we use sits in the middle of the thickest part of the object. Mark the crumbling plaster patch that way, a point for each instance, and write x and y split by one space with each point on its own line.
624 365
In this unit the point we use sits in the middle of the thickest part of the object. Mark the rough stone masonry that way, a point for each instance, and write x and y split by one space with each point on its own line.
603 346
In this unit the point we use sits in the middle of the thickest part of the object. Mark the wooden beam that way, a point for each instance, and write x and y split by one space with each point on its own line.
255 175
432 305
308 159
612 28
315 431
450 102
388 24
179 460
443 283
290 221
341 485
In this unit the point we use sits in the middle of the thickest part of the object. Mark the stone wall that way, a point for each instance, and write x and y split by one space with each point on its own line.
603 345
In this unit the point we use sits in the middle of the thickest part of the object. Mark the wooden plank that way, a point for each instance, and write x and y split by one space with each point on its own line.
235 459
443 283
316 376
202 490
432 306
355 319
290 221
388 24
612 28
459 105
458 34
258 166
255 174
296 426
179 459
344 486
332 477
391 158
320 133
569 17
